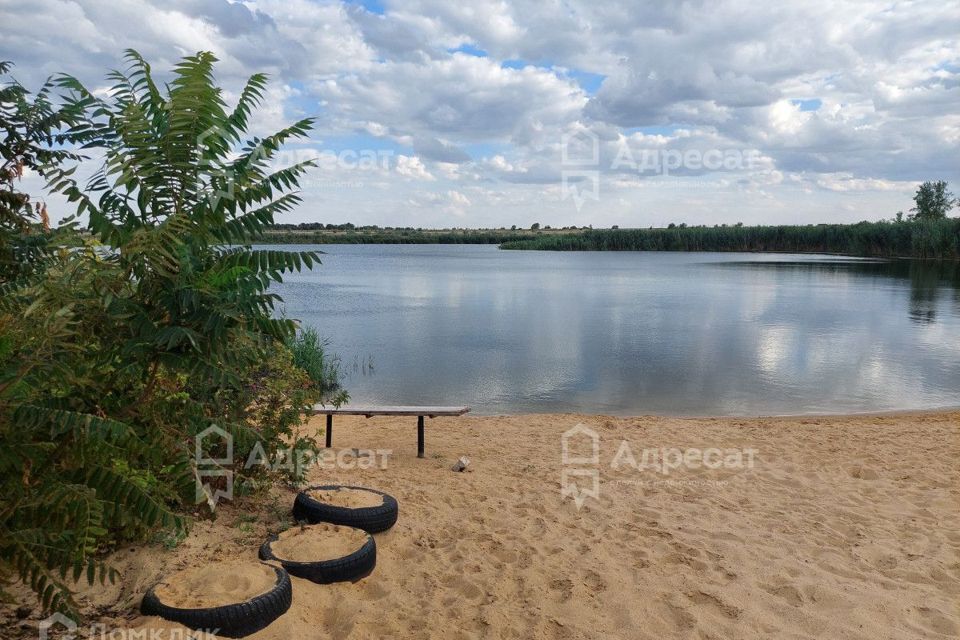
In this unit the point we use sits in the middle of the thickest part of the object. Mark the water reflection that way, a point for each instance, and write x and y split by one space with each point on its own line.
633 333
929 281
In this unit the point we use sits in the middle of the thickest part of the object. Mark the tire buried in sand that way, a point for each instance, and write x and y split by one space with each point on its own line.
322 553
231 600
360 507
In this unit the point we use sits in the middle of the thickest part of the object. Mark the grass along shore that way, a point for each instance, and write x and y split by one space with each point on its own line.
923 239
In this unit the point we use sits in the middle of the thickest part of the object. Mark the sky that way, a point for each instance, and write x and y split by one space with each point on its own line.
486 113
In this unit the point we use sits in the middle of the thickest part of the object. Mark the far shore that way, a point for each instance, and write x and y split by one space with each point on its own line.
922 239
810 527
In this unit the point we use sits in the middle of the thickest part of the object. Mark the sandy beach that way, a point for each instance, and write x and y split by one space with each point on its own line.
832 527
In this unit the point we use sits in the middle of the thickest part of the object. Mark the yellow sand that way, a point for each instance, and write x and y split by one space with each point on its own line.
216 584
845 527
349 498
315 543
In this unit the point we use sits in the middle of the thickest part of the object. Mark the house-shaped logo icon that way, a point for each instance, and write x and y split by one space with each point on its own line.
580 149
577 465
209 433
58 619
580 432
213 467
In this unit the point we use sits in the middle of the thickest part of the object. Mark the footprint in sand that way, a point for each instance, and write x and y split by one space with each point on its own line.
639 560
375 590
715 602
563 587
594 581
786 592
469 589
504 555
461 585
862 472
687 555
339 621
880 558
675 615
537 526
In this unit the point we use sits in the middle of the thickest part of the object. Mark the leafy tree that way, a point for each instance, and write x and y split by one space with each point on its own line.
172 201
535 226
933 201
155 325
29 128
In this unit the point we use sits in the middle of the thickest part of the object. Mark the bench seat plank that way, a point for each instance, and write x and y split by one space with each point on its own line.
389 410
395 410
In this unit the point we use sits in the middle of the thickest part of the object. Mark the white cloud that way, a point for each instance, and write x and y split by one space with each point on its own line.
462 96
412 167
847 182
839 99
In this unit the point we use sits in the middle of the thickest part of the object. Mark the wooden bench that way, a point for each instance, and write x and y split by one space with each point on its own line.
368 411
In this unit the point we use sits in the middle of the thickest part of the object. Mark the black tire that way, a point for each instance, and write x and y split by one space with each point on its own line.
231 620
370 519
350 568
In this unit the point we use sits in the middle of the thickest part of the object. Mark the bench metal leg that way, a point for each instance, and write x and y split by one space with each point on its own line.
329 431
419 436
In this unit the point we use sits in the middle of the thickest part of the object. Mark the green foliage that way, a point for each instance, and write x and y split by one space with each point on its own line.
29 125
126 341
933 201
926 239
272 403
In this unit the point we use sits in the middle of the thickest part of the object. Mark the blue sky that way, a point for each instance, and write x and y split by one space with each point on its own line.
799 112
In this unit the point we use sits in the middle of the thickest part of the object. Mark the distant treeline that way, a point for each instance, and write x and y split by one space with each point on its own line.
924 239
317 233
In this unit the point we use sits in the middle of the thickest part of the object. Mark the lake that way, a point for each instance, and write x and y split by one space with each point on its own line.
630 333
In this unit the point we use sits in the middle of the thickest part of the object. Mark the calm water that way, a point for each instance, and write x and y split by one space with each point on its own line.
632 333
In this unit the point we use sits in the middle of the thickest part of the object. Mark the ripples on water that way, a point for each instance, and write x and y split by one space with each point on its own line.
634 333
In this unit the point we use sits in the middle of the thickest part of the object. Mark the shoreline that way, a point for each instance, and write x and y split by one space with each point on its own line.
333 240
947 409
